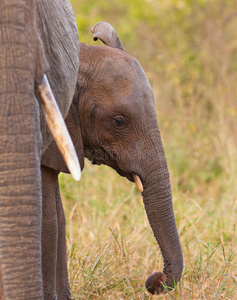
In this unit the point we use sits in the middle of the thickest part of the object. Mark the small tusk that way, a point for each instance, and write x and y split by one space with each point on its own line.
58 128
138 182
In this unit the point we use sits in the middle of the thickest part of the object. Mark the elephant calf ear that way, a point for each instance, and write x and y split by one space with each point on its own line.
52 157
106 33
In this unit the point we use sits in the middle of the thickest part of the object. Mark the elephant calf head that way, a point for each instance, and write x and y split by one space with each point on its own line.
113 121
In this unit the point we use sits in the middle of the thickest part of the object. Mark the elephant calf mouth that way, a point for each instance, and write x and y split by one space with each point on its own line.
130 176
133 178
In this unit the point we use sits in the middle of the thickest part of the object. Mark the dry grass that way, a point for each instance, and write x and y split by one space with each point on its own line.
111 249
190 59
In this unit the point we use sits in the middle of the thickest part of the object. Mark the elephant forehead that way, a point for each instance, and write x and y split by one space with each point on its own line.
123 76
125 99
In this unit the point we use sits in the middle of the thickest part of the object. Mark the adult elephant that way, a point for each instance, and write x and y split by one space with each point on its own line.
112 121
35 38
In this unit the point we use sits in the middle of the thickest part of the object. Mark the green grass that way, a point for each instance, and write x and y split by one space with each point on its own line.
190 60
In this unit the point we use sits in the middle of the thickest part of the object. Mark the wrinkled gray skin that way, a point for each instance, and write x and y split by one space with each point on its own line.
112 121
33 41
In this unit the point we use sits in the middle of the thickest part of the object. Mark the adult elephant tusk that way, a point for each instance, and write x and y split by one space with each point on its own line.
138 182
58 128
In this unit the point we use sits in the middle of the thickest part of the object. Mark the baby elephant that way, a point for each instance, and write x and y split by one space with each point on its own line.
112 121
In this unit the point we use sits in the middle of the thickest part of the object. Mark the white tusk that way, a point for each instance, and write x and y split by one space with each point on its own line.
58 128
138 182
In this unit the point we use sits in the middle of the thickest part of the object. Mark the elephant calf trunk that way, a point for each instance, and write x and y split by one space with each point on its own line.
154 283
157 197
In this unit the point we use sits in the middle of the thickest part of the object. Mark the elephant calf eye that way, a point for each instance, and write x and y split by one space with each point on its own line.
119 122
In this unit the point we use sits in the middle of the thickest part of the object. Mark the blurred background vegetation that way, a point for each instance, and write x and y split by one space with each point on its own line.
188 49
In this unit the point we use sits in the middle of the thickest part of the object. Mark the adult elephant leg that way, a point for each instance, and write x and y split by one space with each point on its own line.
20 143
63 288
49 232
54 255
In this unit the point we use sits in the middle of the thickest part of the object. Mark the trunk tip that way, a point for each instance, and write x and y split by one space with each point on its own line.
154 283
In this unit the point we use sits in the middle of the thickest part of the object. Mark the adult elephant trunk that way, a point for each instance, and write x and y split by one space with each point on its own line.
22 64
157 197
20 200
